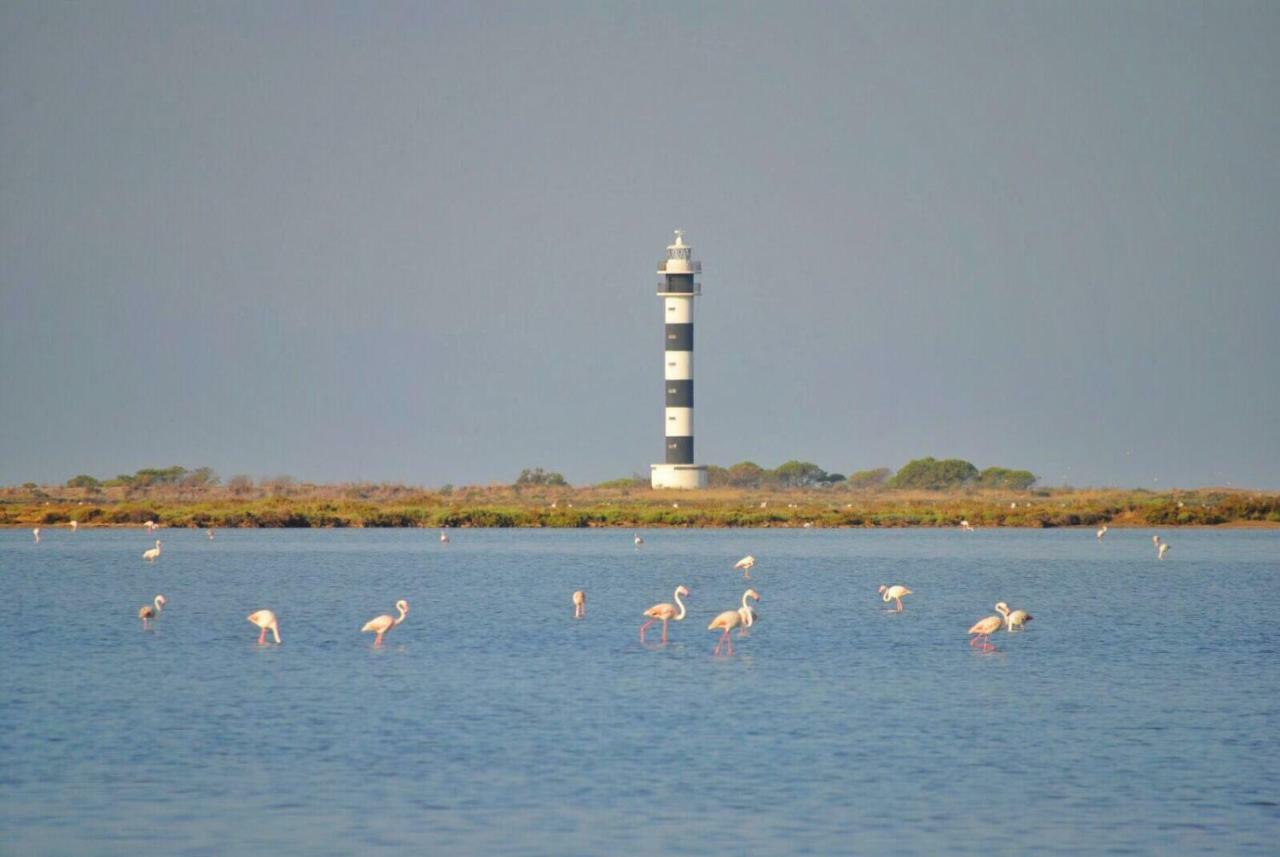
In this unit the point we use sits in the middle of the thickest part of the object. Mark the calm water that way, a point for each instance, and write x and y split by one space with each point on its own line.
1140 713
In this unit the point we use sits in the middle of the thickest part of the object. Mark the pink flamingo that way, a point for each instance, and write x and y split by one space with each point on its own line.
150 611
266 620
579 604
384 623
983 629
665 613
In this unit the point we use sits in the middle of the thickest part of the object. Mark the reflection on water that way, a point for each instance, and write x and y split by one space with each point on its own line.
1138 714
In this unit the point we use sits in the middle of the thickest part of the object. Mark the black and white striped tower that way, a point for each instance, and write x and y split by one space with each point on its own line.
679 285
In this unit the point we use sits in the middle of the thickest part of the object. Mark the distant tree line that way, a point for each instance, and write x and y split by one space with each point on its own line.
922 473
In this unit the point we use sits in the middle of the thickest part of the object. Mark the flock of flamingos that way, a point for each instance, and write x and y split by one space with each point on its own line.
742 617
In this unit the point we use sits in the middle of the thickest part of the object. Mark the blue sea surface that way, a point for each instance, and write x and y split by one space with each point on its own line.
1138 714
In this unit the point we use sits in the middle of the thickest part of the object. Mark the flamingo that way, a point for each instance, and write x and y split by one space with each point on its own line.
1016 620
638 541
747 612
1164 548
666 613
378 624
983 629
725 622
266 620
579 604
746 564
36 532
151 555
444 537
210 532
894 592
150 525
966 526
1102 532
1155 540
151 611
75 525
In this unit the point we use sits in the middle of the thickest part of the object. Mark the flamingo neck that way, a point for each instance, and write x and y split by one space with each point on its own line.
403 613
679 604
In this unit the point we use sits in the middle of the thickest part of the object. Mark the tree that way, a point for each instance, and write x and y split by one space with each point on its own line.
84 481
1002 477
799 474
746 474
201 477
240 484
934 475
149 476
538 476
869 478
280 486
717 477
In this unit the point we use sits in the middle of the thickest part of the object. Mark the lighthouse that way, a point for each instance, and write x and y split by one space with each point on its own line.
680 283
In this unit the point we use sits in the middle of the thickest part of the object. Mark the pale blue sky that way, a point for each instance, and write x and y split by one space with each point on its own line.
418 242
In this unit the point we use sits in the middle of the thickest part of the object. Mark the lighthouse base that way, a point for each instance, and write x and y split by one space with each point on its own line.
679 475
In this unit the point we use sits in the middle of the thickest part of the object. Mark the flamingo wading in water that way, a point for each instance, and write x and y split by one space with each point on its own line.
150 611
638 541
444 537
1102 532
384 623
894 593
746 564
1015 620
265 620
152 554
983 629
725 622
36 532
579 604
1164 548
665 613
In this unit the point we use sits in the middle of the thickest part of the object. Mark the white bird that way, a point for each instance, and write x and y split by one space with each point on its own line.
210 535
266 620
895 593
579 604
966 526
444 537
384 623
150 525
36 532
638 541
1102 532
150 611
1164 548
746 564
75 525
1155 540
151 555
1015 620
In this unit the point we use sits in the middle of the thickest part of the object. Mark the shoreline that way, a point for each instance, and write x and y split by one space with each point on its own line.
503 507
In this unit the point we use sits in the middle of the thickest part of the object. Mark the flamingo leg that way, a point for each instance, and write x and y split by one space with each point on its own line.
643 628
664 630
899 600
377 641
262 637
